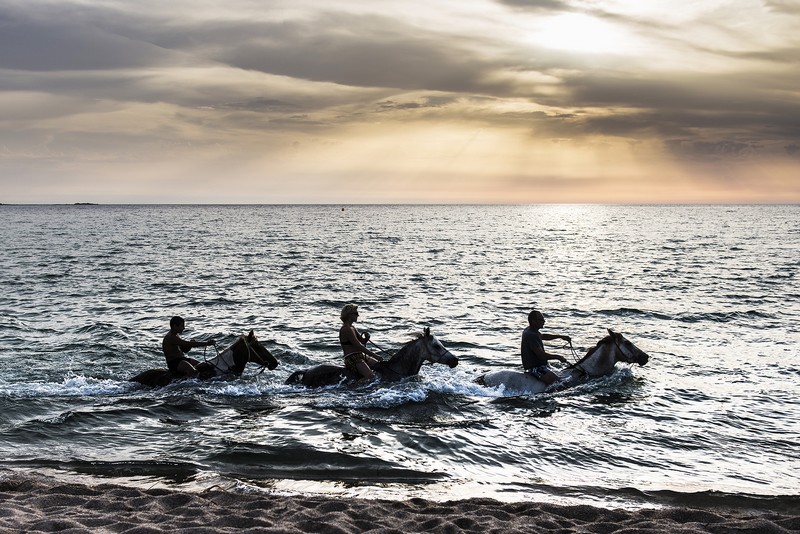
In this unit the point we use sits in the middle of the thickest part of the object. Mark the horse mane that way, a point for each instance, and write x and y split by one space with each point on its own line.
592 350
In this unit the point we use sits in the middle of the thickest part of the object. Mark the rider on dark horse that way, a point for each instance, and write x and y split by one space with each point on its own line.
357 357
175 349
534 357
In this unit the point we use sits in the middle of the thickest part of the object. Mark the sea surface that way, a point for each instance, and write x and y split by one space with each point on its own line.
711 293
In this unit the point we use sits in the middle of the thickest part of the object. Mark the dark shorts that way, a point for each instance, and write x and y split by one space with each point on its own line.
539 372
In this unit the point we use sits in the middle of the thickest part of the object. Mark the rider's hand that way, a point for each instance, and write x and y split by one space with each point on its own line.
365 335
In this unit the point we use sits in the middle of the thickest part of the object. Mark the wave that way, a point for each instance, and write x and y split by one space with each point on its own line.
722 317
73 386
715 317
719 499
631 497
294 460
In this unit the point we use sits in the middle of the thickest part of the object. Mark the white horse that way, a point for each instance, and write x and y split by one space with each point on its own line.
599 361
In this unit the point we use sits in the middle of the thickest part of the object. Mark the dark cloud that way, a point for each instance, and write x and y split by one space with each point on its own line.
721 150
789 7
362 51
259 104
57 44
418 104
537 5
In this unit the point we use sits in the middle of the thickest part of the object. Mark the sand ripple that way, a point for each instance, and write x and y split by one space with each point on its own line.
38 504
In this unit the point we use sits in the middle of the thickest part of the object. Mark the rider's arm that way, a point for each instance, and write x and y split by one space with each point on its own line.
546 355
185 346
353 339
551 337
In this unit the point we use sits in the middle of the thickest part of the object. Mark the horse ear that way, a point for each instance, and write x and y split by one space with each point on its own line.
427 331
611 332
251 336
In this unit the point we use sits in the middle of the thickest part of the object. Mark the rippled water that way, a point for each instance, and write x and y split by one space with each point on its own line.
710 292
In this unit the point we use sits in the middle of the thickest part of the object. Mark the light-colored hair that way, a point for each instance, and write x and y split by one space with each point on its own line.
347 310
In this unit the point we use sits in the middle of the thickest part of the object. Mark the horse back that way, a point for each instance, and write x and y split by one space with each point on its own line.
154 377
320 375
205 371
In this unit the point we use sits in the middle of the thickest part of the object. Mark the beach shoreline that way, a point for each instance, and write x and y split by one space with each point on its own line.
35 503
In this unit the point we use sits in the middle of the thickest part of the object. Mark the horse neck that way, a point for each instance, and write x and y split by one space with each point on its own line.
600 360
407 361
233 359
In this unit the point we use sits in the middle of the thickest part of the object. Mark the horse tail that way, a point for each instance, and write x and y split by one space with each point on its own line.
295 378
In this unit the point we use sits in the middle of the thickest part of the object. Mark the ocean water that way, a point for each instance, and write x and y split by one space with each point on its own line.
709 292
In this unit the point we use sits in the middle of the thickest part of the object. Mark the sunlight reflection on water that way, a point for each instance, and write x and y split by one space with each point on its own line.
707 291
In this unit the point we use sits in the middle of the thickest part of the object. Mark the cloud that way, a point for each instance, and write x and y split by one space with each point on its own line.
59 43
304 86
537 5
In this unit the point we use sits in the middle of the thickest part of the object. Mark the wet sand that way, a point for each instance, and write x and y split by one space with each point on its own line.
40 504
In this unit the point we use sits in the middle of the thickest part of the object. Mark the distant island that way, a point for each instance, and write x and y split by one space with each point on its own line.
85 204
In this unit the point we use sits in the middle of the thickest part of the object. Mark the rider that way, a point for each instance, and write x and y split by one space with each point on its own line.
534 357
175 349
357 357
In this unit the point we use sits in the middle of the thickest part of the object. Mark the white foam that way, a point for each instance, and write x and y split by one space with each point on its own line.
72 386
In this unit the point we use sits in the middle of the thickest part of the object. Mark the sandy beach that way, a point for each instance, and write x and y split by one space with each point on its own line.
40 504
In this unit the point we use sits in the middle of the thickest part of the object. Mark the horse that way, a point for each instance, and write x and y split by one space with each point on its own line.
600 360
404 363
230 361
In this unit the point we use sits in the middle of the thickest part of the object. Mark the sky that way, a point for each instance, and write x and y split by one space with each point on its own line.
384 101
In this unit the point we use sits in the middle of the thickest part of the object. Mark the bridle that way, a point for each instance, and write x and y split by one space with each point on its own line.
628 358
251 350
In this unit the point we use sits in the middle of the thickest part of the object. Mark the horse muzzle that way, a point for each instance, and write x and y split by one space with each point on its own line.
643 358
449 360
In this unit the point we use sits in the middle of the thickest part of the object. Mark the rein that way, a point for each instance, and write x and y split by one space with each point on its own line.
250 351
630 361
575 356
381 350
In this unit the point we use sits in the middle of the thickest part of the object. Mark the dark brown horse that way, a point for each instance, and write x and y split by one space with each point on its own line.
230 361
406 362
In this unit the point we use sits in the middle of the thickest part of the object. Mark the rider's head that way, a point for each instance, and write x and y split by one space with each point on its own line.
176 322
536 319
349 309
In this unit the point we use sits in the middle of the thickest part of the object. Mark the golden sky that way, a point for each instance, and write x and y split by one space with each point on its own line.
309 101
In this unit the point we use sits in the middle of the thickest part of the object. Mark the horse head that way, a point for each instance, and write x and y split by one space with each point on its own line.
409 359
258 353
436 352
627 351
